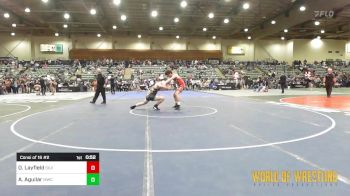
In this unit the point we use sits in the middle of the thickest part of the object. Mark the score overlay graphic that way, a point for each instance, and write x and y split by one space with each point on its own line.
58 169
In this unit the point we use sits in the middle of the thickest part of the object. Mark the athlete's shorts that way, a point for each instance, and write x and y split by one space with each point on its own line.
181 88
151 97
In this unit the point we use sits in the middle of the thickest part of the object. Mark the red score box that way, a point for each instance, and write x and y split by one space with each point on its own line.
93 167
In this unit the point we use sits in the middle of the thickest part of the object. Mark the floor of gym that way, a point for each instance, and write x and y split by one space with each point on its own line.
210 147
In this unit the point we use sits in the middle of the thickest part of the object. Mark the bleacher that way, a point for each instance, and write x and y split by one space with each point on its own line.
280 69
208 73
8 70
148 71
223 71
319 70
87 76
185 72
286 70
344 69
252 73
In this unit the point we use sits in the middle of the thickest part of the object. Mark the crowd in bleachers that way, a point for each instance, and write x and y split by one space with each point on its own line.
26 76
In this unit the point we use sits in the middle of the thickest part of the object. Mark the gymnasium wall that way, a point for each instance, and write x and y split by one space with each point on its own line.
167 44
203 44
247 45
27 47
319 49
347 52
37 54
89 42
15 46
271 49
122 54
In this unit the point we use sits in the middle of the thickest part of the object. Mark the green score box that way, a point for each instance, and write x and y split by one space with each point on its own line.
93 179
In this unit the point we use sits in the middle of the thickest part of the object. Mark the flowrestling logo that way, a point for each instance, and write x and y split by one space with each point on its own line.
324 13
294 177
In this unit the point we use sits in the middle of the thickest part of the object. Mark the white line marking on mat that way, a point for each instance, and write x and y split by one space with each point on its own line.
32 144
193 116
333 124
297 157
27 108
148 183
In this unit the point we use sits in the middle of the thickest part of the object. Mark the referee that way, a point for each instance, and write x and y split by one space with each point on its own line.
100 88
329 80
283 82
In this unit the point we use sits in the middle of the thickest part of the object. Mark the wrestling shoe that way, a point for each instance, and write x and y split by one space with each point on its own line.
177 107
155 107
133 107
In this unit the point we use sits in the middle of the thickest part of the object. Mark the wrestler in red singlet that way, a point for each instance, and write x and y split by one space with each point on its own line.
180 86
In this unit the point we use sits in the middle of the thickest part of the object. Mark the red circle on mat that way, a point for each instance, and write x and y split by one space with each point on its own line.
335 102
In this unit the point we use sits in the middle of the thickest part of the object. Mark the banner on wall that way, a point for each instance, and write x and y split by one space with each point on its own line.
235 50
54 48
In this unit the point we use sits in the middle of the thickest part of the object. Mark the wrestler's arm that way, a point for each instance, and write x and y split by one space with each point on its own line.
170 79
164 86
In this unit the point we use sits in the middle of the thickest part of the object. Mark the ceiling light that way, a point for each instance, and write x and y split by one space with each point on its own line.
57 34
65 26
285 30
246 6
302 8
13 34
93 11
323 31
211 15
14 25
204 29
214 37
154 13
114 27
317 23
249 37
123 17
7 15
117 2
282 38
273 22
183 4
176 20
66 16
98 35
139 36
318 37
161 28
246 30
177 37
45 1
27 10
226 20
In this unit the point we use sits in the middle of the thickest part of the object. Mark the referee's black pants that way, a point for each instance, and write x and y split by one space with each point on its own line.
329 90
43 89
283 86
97 93
112 89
